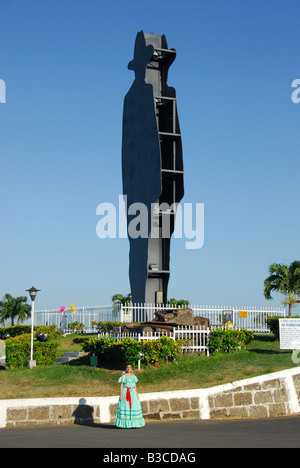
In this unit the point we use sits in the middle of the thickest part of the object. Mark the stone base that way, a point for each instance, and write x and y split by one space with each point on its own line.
31 364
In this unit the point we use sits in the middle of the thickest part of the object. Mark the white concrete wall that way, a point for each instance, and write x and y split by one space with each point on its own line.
275 394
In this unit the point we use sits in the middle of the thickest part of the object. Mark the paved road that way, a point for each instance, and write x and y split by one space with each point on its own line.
277 433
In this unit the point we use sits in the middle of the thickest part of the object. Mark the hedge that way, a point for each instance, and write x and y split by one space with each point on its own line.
18 330
15 330
18 346
226 340
18 353
119 353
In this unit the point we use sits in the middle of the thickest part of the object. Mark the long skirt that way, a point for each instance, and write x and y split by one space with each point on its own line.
129 411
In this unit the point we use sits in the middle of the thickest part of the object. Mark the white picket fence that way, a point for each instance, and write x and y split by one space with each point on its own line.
251 318
194 338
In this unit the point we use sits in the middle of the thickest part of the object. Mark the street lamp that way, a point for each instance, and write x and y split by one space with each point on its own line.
32 292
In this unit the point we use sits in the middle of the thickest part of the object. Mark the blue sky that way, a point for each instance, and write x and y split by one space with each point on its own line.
64 63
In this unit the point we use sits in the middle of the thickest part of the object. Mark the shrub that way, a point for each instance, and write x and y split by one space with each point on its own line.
18 348
119 353
126 351
246 336
106 327
15 330
18 352
115 353
164 349
76 327
98 347
18 330
19 339
49 330
224 340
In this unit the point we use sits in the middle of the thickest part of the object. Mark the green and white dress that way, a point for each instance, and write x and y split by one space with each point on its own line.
129 411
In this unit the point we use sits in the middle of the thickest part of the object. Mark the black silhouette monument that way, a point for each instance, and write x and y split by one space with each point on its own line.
152 167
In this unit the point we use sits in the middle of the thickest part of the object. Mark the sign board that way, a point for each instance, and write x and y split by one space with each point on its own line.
93 361
117 330
243 314
2 352
289 330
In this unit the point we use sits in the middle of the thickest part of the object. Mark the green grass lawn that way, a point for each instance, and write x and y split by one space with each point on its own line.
77 378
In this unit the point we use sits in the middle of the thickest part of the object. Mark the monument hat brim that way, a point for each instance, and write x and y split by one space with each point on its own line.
142 53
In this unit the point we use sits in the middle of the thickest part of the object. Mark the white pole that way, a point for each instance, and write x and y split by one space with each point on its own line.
32 321
32 292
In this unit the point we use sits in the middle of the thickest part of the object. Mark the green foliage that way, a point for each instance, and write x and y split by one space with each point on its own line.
18 346
25 337
14 308
49 330
178 302
164 349
113 353
15 330
98 346
76 327
273 325
18 330
118 353
126 351
18 353
120 299
106 327
284 279
245 336
226 340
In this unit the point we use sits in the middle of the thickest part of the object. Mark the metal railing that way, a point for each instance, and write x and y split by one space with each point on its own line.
251 318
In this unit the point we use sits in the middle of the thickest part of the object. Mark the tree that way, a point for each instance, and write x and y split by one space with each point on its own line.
286 280
178 303
120 299
14 307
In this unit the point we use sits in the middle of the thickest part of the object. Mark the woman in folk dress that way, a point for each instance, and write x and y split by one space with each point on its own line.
129 411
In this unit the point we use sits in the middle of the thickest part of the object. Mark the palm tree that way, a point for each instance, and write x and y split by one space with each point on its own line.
286 280
14 307
120 299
